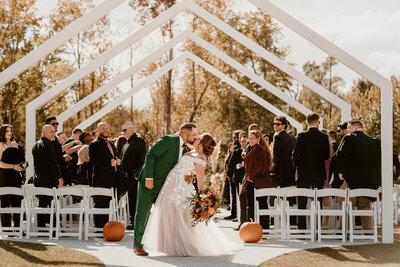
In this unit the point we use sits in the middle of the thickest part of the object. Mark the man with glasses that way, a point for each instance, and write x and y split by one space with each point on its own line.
61 160
132 159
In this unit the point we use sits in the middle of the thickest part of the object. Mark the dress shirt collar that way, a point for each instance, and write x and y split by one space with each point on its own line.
180 142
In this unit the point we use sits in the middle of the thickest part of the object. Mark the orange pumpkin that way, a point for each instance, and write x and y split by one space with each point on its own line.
251 232
113 231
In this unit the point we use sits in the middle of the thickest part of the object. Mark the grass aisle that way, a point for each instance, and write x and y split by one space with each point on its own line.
14 253
353 255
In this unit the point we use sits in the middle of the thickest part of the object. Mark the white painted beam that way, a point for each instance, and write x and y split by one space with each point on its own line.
167 67
57 40
274 60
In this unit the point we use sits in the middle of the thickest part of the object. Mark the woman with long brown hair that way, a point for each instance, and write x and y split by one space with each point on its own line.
257 164
11 161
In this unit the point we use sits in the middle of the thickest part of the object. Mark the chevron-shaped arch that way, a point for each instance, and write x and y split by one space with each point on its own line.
186 35
265 5
187 55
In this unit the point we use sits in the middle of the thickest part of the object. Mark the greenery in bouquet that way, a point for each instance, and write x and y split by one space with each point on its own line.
204 206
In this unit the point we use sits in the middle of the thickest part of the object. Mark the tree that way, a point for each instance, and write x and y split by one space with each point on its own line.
322 74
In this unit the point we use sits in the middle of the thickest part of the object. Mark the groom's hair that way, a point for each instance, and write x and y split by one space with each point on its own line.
187 126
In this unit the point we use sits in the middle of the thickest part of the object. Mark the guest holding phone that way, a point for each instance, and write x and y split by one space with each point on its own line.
12 164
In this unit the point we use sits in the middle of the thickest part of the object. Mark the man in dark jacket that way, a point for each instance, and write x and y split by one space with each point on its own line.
102 154
309 155
359 165
132 159
47 171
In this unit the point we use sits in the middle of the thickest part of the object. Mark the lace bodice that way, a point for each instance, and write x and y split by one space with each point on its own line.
175 187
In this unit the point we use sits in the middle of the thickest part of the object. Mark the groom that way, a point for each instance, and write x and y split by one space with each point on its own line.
160 159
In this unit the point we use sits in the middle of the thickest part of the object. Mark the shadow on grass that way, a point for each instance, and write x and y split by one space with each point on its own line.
22 250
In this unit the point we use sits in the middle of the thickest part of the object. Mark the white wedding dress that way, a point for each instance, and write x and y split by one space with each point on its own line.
169 229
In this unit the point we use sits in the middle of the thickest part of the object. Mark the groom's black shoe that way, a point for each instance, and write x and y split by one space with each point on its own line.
238 227
140 251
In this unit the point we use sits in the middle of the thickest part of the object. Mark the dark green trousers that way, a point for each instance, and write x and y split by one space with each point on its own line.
145 199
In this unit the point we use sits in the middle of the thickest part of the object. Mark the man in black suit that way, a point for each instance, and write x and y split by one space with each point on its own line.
132 159
47 171
62 159
102 154
309 155
359 165
283 169
236 164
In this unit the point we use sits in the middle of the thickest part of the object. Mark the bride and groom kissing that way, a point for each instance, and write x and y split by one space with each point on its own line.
165 180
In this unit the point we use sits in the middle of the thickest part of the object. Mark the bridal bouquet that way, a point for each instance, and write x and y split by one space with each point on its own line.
204 206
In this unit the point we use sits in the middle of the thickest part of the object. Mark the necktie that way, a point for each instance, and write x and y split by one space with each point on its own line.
111 150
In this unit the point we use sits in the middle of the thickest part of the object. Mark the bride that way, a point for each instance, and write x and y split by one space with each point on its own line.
170 229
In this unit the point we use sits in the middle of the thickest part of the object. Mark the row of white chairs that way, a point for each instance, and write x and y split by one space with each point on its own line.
62 205
281 211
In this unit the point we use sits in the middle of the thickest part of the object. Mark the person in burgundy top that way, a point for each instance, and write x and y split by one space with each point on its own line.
257 165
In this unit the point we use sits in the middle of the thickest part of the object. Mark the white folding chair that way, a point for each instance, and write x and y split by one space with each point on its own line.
335 211
123 210
277 210
12 230
363 234
379 202
91 210
65 208
295 211
33 209
396 203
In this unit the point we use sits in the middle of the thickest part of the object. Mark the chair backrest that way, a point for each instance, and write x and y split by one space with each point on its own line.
99 191
302 192
364 192
264 192
332 192
16 191
39 191
70 191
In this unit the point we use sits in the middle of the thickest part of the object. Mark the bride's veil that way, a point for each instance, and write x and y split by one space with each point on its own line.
214 156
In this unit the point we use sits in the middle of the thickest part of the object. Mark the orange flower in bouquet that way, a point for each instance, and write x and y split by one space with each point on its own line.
204 206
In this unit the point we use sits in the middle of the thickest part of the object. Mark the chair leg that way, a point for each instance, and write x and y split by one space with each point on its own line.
312 218
319 225
351 226
28 224
80 225
343 226
288 226
86 226
21 220
58 224
51 225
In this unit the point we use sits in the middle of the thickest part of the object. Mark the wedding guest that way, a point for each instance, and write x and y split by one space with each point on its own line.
283 171
237 163
47 170
257 164
226 198
103 156
85 166
359 165
326 201
267 138
231 171
132 159
119 144
11 158
72 151
342 129
58 150
309 155
62 137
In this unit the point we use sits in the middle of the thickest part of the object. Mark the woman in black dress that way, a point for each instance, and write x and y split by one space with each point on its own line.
11 158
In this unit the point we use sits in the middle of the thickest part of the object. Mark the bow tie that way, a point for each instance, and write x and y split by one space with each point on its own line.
184 146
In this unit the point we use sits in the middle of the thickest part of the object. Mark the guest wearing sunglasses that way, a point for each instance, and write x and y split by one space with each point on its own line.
61 160
133 155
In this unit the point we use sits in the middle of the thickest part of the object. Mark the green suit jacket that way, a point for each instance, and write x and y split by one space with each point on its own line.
160 159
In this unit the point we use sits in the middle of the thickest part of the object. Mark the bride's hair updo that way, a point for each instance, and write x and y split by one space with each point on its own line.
208 144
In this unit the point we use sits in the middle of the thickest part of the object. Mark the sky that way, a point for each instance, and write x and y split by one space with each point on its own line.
366 29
